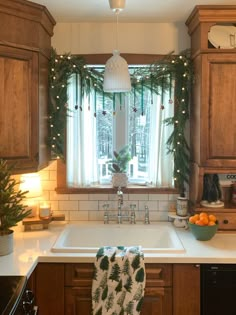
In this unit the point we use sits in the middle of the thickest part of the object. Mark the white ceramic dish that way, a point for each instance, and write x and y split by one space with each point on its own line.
154 238
219 36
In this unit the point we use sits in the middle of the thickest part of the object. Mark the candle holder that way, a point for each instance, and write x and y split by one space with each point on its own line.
45 210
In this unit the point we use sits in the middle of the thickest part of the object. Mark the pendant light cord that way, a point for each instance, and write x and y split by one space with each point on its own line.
117 22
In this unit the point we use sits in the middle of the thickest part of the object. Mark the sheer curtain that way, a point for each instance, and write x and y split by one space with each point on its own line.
161 164
82 170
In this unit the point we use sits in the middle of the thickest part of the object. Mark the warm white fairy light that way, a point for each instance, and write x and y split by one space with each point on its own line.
74 66
178 171
184 75
178 143
58 96
53 145
183 111
54 78
51 126
53 69
183 100
180 57
61 56
63 85
68 57
183 88
56 60
176 121
58 107
58 134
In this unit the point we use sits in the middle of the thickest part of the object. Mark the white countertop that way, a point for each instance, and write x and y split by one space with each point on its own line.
35 246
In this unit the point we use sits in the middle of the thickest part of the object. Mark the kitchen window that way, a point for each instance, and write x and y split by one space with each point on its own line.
123 119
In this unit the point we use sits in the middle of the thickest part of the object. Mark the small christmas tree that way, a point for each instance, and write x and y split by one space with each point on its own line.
12 210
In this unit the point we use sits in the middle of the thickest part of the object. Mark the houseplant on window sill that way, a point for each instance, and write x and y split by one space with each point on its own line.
118 166
12 210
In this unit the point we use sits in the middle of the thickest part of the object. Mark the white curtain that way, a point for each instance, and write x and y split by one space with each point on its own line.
81 140
161 164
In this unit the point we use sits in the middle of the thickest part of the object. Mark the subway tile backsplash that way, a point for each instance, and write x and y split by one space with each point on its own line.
89 207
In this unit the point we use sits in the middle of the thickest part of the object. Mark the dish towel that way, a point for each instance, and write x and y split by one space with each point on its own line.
119 281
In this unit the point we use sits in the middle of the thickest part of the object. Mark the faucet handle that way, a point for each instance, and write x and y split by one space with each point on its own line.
132 215
146 217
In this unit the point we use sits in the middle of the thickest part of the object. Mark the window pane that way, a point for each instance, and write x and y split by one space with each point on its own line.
139 134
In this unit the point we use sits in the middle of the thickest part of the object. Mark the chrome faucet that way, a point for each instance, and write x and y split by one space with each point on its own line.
120 204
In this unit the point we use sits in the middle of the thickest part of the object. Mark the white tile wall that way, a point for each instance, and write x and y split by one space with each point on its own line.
89 207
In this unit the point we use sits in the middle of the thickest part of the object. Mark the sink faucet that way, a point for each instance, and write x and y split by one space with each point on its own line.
120 204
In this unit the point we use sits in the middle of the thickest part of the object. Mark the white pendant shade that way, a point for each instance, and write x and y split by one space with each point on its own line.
116 75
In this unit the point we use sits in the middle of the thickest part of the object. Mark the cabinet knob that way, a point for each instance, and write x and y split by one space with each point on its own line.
225 221
197 265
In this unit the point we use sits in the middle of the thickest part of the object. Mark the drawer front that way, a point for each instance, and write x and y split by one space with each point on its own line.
80 275
226 220
157 275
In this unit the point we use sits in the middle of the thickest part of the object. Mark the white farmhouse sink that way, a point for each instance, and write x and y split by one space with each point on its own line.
154 238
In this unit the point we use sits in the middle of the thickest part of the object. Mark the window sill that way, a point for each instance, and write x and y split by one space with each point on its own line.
108 189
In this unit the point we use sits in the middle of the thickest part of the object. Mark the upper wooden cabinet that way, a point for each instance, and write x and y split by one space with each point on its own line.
213 108
25 43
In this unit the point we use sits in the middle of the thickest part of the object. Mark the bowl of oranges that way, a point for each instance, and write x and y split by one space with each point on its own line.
203 226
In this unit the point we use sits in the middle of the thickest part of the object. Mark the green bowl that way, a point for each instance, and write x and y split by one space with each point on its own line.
203 233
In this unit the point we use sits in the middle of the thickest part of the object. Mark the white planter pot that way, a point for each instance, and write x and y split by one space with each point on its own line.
119 180
6 243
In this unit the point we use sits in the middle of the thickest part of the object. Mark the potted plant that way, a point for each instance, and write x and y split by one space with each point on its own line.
118 166
12 210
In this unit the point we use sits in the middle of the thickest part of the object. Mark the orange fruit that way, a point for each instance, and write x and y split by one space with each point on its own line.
199 222
212 217
192 219
211 223
204 219
203 214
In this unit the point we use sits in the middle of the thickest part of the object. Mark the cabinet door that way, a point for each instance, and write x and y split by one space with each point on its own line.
78 301
157 301
217 117
49 288
186 289
19 106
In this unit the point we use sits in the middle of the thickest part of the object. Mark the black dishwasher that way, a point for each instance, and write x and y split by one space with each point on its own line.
218 289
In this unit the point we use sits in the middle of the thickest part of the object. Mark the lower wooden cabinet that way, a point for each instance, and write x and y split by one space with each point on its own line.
186 289
65 289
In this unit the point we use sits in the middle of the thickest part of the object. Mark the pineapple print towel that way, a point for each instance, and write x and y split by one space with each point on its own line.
119 281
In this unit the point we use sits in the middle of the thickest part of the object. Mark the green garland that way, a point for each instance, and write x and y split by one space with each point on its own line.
156 77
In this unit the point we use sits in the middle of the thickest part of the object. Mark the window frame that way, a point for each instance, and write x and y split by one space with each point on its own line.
100 59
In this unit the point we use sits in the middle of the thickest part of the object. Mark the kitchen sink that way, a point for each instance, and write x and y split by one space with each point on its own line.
87 238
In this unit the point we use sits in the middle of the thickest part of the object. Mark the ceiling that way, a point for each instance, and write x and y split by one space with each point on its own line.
157 11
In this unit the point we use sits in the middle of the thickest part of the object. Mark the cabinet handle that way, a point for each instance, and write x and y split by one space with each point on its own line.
197 266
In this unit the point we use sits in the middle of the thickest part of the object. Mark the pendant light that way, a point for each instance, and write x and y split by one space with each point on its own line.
116 74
